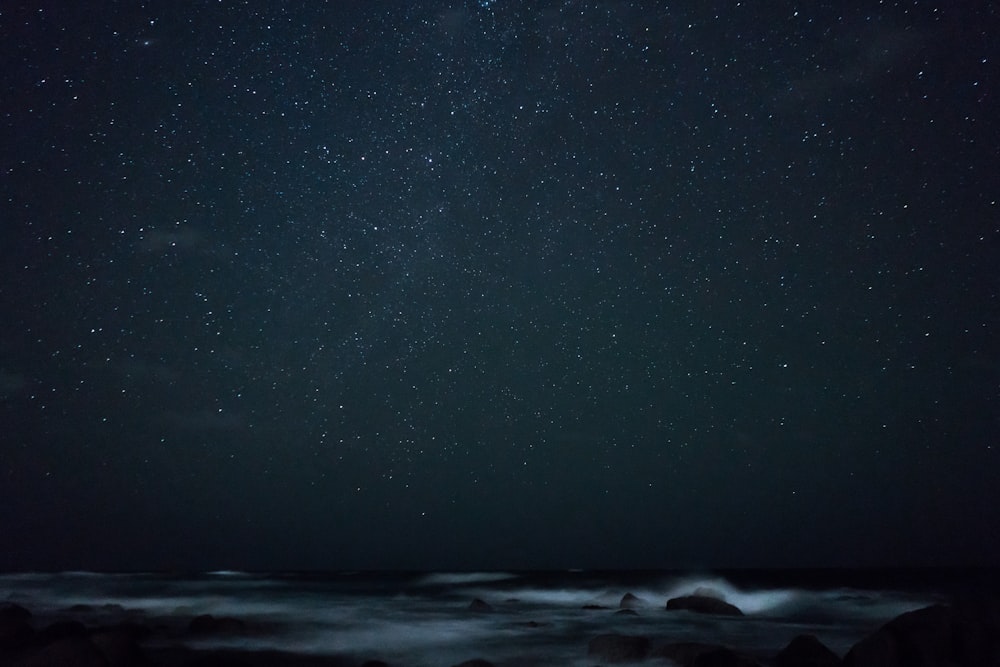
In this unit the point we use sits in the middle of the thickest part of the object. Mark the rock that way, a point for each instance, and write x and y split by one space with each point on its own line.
206 624
684 653
937 635
15 630
626 612
61 630
119 648
618 648
703 604
722 657
806 651
75 651
374 663
593 607
476 662
480 606
9 610
630 601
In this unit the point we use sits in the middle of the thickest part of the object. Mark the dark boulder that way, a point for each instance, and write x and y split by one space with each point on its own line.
722 657
686 653
74 651
932 636
626 612
480 606
475 662
618 648
119 647
11 611
15 630
61 630
703 604
806 651
630 601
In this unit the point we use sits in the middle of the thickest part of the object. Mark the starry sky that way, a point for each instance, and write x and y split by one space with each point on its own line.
478 284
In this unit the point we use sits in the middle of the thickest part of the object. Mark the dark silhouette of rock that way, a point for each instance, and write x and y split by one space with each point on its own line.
806 651
593 607
119 647
9 610
15 630
374 663
722 657
964 636
683 653
74 651
477 662
630 601
703 604
626 612
618 648
697 654
480 606
206 624
61 630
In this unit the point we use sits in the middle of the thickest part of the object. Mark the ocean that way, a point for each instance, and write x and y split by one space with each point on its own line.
537 618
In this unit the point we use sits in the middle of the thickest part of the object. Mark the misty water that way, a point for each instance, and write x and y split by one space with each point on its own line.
425 618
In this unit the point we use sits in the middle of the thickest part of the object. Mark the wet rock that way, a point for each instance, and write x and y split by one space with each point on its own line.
630 601
477 662
626 612
478 605
722 657
61 630
593 607
935 635
685 653
15 630
76 651
703 604
618 648
119 647
806 651
9 610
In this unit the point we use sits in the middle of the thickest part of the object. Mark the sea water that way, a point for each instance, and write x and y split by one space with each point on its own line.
425 619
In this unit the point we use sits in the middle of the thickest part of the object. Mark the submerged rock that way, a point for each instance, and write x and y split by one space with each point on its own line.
703 604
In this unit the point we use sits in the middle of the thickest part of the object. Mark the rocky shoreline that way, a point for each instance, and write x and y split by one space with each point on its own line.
960 634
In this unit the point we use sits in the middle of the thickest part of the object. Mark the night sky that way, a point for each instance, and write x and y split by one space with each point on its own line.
499 284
